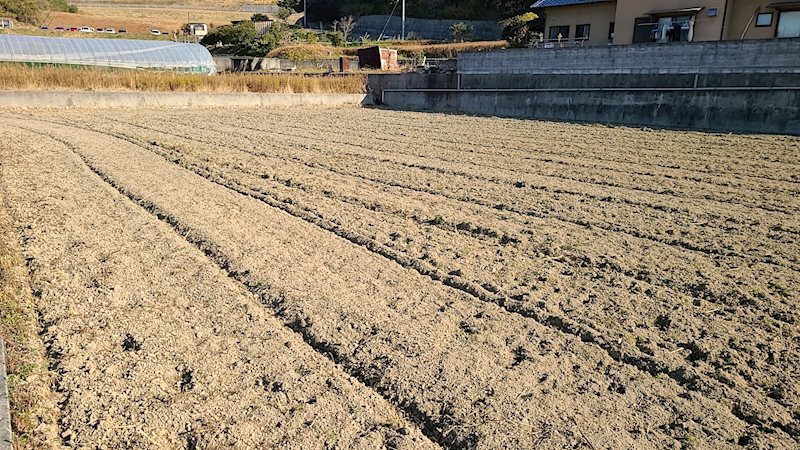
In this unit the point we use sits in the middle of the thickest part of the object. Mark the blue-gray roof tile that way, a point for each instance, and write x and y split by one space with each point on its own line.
552 3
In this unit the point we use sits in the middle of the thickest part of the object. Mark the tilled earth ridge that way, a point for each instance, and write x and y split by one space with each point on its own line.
459 200
154 345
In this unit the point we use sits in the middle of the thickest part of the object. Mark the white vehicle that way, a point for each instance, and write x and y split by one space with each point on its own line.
155 32
111 31
86 30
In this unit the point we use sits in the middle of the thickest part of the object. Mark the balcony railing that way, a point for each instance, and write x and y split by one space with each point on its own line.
558 43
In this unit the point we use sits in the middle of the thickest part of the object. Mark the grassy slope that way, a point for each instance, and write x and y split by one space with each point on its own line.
33 412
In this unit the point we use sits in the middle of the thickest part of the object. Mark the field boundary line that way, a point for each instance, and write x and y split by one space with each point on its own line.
684 375
133 99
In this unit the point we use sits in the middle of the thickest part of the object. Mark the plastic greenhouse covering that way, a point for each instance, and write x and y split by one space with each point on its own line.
123 53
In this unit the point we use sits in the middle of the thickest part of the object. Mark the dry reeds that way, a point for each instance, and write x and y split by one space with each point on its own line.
406 49
20 77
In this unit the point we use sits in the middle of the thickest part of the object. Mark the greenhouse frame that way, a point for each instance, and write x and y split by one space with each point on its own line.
119 53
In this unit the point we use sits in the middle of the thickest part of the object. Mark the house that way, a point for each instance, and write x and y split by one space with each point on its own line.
6 23
197 29
603 22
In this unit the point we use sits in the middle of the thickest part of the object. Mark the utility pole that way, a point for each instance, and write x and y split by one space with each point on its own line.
305 13
404 21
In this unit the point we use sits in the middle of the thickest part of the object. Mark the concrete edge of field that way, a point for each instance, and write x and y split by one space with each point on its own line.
5 409
78 99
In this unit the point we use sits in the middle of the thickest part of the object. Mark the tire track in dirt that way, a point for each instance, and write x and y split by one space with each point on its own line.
192 236
685 375
608 226
261 387
694 290
696 350
621 198
454 137
510 136
774 229
307 208
303 134
528 155
674 242
682 373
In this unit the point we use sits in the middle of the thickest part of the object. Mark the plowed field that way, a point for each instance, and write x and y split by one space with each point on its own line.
356 278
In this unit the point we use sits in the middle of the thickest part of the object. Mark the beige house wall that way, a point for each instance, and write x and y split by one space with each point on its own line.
705 28
726 25
598 15
743 12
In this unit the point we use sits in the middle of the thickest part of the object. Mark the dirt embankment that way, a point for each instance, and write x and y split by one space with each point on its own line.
500 282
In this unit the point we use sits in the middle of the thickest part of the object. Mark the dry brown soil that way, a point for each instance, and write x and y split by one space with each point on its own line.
357 278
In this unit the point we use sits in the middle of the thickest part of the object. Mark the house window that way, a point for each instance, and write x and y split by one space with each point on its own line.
788 24
582 31
611 31
642 29
764 20
562 30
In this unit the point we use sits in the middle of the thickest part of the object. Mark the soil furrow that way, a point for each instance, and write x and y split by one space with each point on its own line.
509 138
539 212
689 339
155 346
503 283
714 387
288 303
369 142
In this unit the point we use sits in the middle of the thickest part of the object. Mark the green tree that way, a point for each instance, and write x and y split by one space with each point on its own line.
241 33
519 30
290 4
461 31
336 38
27 11
284 13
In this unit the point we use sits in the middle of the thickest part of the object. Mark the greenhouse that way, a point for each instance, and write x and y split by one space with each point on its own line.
121 53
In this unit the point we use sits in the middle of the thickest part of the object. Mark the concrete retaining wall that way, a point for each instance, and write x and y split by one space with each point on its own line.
771 111
667 58
741 86
43 99
380 82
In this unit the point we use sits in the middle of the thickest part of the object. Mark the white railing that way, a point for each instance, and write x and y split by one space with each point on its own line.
558 43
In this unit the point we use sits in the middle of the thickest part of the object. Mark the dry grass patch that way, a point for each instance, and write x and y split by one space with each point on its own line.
211 4
307 52
448 50
407 49
33 413
141 20
18 77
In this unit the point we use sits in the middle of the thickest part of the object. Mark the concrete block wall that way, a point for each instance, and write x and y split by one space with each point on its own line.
738 111
777 54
